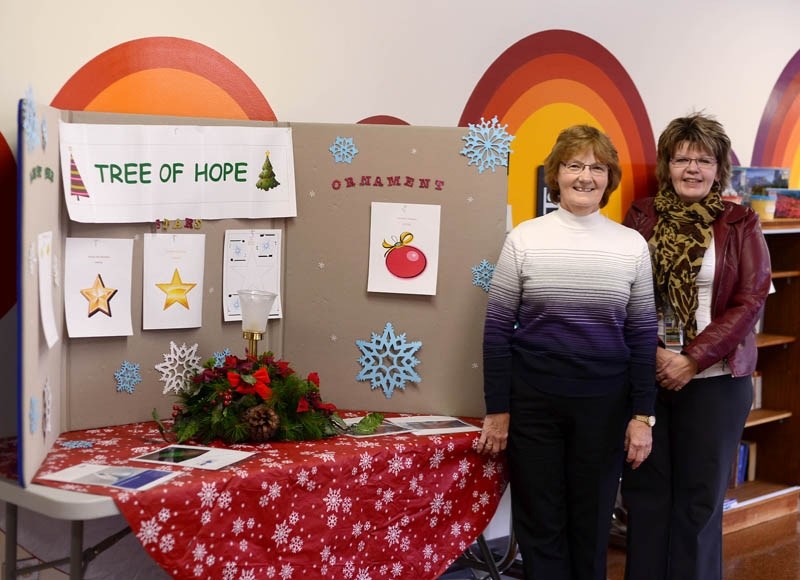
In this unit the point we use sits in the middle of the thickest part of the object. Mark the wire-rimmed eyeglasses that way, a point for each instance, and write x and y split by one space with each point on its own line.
702 162
576 167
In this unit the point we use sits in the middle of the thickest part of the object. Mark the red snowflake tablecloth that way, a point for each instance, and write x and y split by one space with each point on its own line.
395 506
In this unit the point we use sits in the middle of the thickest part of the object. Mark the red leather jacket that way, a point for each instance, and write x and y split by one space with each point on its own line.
741 283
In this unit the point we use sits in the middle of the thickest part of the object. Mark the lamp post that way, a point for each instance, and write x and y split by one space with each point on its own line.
255 305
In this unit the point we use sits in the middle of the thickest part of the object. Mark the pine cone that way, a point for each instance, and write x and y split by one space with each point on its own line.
263 422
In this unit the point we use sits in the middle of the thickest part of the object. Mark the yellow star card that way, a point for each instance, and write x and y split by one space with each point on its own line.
97 274
172 280
176 291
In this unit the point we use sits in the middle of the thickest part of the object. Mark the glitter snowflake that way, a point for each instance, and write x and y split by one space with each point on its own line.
44 133
388 361
178 367
343 150
34 415
47 397
76 444
487 145
219 357
127 377
482 275
30 121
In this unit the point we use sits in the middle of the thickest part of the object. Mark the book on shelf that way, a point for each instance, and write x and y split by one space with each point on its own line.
739 465
751 460
756 390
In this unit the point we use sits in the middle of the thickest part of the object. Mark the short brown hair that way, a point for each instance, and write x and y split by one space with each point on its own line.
577 139
699 131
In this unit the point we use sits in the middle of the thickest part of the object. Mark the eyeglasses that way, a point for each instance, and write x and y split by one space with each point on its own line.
576 168
702 162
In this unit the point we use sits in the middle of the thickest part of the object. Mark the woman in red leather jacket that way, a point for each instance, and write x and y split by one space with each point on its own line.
711 275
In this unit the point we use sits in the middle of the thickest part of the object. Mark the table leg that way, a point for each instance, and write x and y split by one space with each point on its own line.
11 542
76 551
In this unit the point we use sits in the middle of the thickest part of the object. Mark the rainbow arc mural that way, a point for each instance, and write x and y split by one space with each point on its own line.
554 79
778 138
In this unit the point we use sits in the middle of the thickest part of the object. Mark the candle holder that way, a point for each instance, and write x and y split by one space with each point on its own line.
255 305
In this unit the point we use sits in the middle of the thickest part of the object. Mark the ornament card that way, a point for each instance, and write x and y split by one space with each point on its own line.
404 248
172 282
97 287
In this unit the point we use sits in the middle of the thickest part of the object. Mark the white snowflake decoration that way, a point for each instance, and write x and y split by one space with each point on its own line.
487 145
343 150
178 367
482 275
388 361
127 377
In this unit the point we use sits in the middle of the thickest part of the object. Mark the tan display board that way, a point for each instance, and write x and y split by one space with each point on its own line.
328 307
325 264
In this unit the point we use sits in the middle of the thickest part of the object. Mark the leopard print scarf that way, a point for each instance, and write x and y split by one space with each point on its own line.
682 234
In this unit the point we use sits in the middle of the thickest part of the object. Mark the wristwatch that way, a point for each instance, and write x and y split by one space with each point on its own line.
648 419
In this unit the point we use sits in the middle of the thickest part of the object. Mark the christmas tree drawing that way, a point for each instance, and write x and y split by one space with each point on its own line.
76 187
266 179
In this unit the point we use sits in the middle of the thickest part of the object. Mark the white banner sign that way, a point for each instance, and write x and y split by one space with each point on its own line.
141 173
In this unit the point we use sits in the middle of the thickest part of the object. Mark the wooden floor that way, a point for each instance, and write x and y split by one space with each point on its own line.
768 551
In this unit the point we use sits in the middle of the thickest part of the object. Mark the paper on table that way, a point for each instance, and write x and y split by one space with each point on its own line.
195 456
433 424
130 478
385 428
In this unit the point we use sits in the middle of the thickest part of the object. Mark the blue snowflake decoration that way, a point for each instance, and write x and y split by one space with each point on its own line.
30 121
127 377
482 275
219 357
34 415
343 150
388 361
76 444
487 145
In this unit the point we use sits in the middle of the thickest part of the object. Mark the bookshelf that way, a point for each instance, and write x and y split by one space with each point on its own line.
776 426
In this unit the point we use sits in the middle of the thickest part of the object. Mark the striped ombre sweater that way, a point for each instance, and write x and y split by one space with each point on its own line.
571 312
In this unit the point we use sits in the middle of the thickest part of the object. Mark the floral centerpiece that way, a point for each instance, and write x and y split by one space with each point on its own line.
253 399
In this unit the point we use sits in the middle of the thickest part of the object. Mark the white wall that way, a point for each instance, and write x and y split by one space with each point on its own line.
322 61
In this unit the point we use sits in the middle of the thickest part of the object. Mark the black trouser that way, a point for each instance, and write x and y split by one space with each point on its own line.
565 459
674 499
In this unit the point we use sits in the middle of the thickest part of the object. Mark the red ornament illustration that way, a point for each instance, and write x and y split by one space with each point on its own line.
402 260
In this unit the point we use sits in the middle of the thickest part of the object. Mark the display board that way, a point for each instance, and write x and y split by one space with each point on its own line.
411 344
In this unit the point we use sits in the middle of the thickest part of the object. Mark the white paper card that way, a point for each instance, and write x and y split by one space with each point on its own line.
97 286
252 261
46 305
172 282
404 248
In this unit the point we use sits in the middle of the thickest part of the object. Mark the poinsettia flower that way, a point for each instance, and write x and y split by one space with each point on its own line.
327 407
234 379
314 378
284 370
302 405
